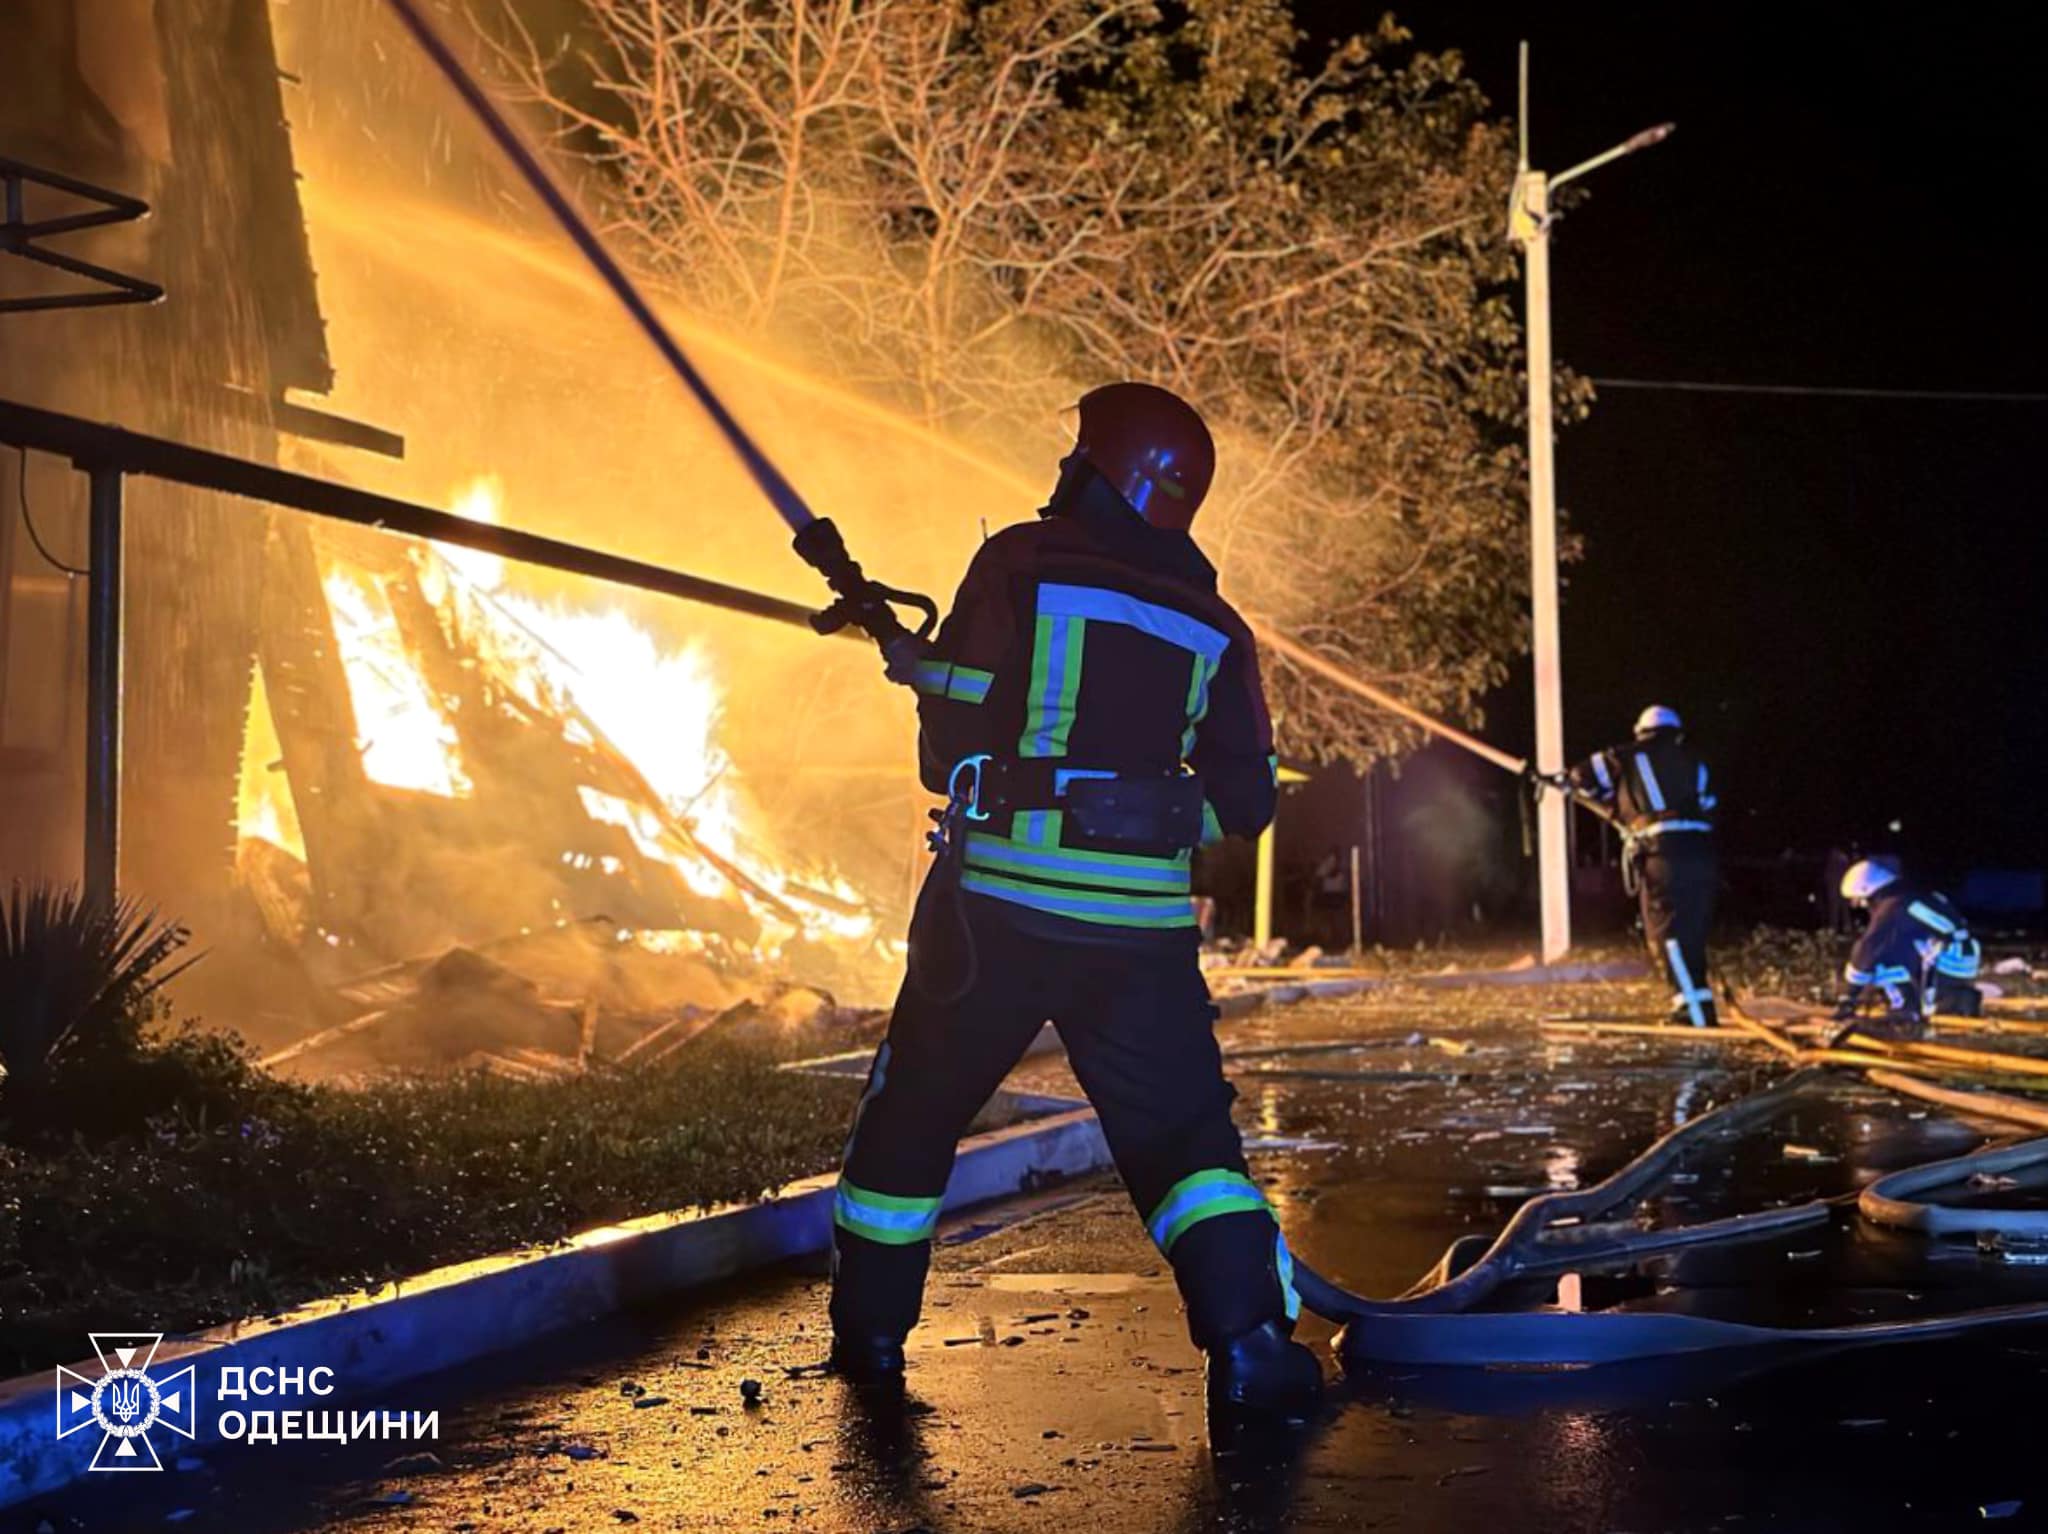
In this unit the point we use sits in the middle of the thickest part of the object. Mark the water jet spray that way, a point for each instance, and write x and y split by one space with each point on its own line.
862 602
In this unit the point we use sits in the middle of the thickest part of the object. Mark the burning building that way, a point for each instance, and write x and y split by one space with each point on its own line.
177 103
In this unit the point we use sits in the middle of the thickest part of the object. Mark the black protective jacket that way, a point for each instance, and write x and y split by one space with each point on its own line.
1653 786
1084 645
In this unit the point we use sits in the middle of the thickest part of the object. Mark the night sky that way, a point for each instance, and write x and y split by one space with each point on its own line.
1840 595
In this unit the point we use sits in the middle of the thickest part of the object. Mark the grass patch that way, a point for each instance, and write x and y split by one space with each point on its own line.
202 1190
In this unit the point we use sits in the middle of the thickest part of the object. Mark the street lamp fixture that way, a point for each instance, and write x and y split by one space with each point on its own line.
1529 220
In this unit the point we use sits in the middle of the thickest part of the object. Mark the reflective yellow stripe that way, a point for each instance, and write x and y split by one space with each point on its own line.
943 679
1055 683
890 1219
1200 675
1202 1196
1109 908
1054 864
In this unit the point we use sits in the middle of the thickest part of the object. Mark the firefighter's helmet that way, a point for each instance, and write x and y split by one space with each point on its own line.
1152 447
1657 717
1867 878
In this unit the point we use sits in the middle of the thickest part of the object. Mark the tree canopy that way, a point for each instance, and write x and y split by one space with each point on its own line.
975 210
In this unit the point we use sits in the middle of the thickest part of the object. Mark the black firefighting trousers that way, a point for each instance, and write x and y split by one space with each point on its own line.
1138 1027
1678 879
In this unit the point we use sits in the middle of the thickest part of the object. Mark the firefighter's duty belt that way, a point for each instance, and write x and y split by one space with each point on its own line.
1103 804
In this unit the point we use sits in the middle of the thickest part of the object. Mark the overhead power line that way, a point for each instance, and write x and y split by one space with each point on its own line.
1825 391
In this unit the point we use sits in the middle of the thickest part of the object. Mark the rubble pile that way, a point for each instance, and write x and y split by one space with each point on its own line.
554 1005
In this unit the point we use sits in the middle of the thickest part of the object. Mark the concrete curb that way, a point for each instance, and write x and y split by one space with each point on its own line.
456 1314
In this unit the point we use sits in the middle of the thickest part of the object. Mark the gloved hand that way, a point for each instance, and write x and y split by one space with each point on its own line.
866 603
900 656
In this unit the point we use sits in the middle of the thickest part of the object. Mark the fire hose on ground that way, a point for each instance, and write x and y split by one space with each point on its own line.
1438 1322
1899 1199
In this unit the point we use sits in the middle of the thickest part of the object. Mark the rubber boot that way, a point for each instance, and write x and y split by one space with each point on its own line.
1264 1373
871 1363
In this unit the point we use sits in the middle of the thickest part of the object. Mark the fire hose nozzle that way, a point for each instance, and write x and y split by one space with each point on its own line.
819 545
865 603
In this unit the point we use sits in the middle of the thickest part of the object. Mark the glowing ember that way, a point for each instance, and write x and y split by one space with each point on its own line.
478 501
667 941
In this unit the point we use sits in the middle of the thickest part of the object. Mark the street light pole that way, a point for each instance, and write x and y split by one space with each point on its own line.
1552 849
1529 219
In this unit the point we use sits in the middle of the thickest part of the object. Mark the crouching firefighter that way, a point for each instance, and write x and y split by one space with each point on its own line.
1092 710
1656 789
1916 951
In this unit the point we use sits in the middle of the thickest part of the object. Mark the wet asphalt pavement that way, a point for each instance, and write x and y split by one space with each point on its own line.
1052 1386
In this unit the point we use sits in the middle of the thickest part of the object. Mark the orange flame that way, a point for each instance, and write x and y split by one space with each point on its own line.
610 682
265 810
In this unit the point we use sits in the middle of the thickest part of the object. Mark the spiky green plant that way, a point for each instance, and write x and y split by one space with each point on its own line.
74 975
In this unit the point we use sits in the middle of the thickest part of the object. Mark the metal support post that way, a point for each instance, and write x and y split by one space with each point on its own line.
103 690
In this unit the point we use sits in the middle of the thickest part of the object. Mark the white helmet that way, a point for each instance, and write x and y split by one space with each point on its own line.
1657 717
1867 878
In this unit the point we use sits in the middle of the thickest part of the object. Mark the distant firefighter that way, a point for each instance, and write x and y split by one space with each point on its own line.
1656 788
1916 951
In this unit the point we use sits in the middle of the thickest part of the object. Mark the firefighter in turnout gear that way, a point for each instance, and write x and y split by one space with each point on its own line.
1092 709
1916 951
1657 790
